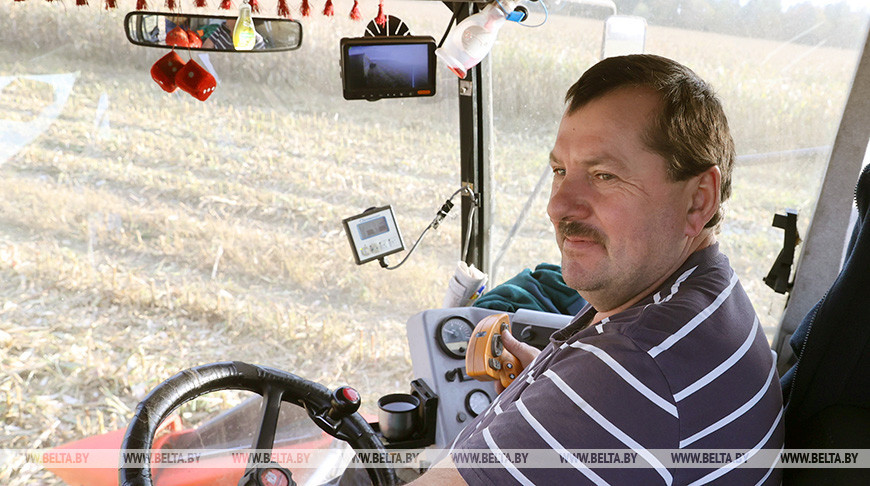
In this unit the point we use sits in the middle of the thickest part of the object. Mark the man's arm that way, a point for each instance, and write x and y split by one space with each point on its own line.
442 474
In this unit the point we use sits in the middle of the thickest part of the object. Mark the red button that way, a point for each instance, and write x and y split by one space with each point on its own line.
350 394
273 477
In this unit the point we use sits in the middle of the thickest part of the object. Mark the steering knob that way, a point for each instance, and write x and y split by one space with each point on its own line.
345 401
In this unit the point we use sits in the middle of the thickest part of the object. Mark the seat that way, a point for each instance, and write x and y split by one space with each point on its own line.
827 391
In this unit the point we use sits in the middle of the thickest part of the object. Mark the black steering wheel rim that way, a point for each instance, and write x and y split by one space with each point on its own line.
234 375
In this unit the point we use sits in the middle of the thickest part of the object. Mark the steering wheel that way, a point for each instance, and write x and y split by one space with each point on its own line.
334 412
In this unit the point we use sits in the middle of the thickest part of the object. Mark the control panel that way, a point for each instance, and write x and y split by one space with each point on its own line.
373 234
438 340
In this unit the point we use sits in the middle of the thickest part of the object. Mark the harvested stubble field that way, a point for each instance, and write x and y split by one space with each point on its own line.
180 233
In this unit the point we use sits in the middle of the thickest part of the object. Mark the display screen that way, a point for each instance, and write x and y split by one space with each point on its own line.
388 67
372 228
373 234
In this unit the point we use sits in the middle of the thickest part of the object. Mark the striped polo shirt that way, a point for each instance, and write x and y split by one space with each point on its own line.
688 367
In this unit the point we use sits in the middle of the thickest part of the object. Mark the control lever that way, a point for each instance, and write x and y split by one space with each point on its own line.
486 358
455 373
345 401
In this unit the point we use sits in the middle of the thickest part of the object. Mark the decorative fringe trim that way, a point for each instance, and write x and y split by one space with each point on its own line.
354 12
381 19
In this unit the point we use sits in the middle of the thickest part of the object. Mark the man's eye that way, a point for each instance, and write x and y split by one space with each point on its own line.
558 171
604 176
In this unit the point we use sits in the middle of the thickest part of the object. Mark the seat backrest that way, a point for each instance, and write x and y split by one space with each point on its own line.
827 391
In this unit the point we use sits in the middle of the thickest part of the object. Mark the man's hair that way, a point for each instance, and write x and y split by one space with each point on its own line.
691 131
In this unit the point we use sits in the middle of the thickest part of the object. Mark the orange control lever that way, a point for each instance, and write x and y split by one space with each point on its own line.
486 358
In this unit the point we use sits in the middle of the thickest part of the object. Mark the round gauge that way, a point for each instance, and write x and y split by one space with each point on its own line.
476 402
453 334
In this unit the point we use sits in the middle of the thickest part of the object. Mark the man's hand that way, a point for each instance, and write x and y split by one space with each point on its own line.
443 474
524 352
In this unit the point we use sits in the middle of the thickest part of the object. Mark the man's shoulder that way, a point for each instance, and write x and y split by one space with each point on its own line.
702 302
703 284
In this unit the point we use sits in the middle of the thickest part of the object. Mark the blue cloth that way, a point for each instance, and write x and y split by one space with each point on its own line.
542 290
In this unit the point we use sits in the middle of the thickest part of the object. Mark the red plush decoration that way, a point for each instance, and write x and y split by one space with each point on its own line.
110 4
354 12
164 70
200 3
170 4
141 5
328 10
194 79
193 39
177 37
283 9
226 4
255 6
306 9
381 19
81 2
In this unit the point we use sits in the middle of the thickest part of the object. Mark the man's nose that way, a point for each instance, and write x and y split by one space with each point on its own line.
569 200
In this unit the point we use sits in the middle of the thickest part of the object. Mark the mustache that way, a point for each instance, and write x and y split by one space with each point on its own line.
569 229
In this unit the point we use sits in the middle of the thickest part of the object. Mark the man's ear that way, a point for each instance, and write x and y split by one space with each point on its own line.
704 201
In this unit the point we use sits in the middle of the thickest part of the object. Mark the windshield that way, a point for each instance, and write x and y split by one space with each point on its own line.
145 232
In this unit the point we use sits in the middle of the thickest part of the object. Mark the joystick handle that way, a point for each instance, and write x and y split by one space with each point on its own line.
486 358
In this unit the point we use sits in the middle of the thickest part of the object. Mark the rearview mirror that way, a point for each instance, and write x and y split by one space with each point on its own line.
208 32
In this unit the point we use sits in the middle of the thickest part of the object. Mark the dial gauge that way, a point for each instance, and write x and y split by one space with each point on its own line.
453 334
476 402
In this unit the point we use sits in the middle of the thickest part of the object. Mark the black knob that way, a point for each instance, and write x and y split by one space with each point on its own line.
345 401
450 375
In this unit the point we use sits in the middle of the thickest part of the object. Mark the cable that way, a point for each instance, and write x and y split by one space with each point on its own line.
413 247
442 213
449 25
520 22
468 225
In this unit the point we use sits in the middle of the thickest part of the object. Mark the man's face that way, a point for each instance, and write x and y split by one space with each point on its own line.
620 222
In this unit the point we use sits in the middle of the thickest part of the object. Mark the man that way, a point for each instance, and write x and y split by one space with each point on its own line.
668 354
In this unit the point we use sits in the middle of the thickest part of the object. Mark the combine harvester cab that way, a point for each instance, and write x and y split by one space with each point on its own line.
201 185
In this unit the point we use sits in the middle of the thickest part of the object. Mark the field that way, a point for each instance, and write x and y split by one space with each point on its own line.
142 233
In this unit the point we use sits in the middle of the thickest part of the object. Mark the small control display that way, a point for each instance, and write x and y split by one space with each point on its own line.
373 228
373 234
